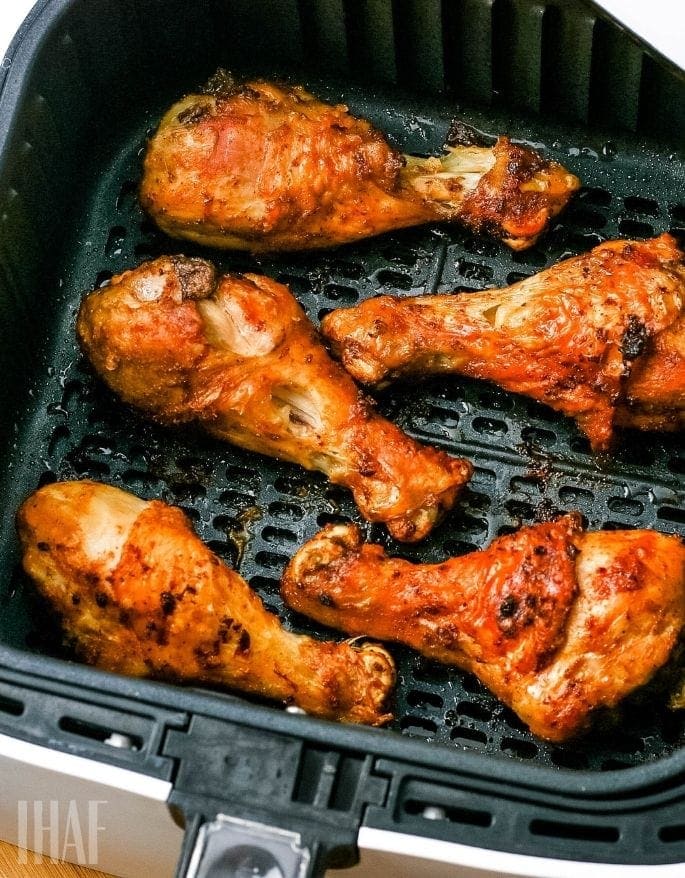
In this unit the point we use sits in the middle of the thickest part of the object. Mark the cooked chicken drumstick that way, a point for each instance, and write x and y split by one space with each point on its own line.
600 337
140 594
259 166
238 355
555 621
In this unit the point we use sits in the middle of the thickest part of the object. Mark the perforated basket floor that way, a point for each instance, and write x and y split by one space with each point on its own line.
530 463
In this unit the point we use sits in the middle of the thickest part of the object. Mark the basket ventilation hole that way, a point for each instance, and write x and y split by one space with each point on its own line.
522 749
631 228
537 258
526 484
490 426
431 811
111 737
400 255
421 699
278 535
481 246
474 711
394 280
677 465
60 434
434 812
115 241
443 417
352 271
490 399
637 204
475 271
189 491
678 213
418 725
227 550
271 560
285 511
538 436
469 737
569 759
672 833
580 832
294 485
120 742
572 496
236 500
595 195
11 706
135 478
341 295
617 525
624 506
669 513
453 548
325 518
127 193
265 584
588 218
515 276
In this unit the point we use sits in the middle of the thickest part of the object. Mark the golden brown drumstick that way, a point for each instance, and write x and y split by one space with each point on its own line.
599 337
260 166
238 355
140 594
555 621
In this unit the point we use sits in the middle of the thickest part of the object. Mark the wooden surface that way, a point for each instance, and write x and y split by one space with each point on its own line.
11 867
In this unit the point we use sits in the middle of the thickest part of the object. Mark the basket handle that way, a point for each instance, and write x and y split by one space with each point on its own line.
230 847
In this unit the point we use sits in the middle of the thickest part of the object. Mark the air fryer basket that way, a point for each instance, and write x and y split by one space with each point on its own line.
550 74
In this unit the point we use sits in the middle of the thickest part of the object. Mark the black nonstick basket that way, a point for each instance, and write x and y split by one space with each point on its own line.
456 781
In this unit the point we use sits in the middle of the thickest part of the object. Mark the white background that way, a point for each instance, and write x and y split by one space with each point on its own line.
659 22
12 13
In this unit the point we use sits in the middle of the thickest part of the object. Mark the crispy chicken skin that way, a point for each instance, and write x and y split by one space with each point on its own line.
238 355
139 594
260 166
556 622
599 337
